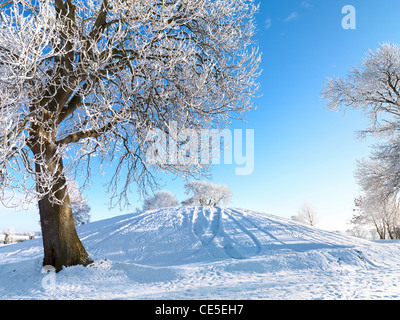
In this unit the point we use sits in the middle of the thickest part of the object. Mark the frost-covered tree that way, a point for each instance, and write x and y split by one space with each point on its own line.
84 80
377 207
383 214
373 88
79 206
161 199
8 236
358 232
380 172
206 194
306 214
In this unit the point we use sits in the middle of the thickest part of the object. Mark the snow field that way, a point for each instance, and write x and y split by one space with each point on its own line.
208 253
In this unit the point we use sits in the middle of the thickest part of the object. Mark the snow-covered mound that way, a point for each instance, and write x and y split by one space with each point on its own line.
175 236
212 253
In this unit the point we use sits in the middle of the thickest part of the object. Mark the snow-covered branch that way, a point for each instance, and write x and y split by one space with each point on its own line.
374 88
84 78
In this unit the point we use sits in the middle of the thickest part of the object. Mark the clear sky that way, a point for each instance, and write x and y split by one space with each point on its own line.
303 152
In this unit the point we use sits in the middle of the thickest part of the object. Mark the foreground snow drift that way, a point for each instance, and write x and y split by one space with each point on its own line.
208 253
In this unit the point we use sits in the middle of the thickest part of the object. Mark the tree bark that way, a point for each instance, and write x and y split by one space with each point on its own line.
61 244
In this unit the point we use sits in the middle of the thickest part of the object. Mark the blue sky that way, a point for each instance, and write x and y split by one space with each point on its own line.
303 152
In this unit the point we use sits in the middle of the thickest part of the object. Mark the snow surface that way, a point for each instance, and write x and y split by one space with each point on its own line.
208 253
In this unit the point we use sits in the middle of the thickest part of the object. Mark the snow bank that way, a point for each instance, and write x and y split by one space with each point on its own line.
204 252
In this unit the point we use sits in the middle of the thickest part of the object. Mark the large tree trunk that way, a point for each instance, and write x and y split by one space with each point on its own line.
61 244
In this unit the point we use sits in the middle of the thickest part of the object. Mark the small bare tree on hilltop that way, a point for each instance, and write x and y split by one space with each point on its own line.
307 215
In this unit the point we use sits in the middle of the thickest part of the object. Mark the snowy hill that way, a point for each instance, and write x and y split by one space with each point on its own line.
208 253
